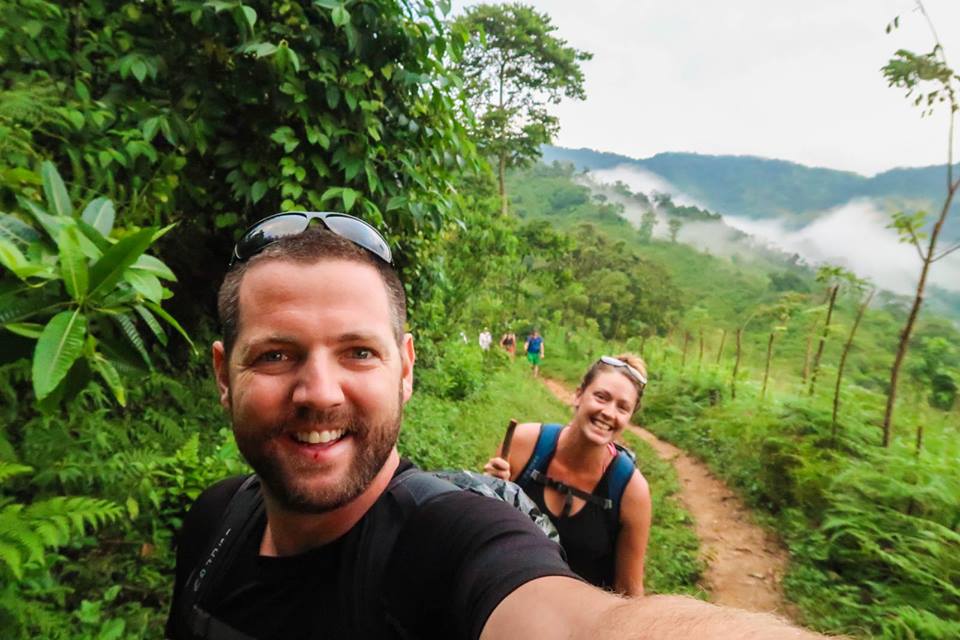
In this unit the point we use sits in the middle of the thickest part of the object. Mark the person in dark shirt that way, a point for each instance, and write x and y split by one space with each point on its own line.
575 473
314 368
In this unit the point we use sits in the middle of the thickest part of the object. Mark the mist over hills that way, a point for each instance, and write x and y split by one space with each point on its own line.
762 188
822 215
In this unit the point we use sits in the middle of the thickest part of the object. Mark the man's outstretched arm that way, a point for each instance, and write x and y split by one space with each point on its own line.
564 608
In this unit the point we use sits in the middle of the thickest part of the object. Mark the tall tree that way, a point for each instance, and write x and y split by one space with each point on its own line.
513 67
647 222
834 278
929 80
674 224
862 309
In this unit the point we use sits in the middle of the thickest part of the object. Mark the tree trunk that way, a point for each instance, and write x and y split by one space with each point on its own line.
919 439
700 357
736 367
643 343
766 370
928 260
686 343
843 363
501 177
823 338
806 359
723 338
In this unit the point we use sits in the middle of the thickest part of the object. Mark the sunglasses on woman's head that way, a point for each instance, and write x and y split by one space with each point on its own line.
632 372
291 223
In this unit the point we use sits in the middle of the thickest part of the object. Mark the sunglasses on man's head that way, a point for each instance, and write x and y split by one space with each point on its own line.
632 372
291 223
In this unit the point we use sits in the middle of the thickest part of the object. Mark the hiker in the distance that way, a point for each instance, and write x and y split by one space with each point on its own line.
509 343
590 489
534 348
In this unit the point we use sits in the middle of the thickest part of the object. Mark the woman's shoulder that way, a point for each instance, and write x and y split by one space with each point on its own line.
524 440
636 495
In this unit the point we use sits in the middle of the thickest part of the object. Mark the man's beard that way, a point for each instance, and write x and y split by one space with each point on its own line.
372 446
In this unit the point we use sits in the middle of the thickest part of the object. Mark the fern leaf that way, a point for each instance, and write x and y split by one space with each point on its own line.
130 331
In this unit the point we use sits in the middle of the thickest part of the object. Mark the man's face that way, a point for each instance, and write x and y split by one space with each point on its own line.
316 383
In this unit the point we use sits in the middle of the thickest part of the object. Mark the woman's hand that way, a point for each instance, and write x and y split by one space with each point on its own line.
498 468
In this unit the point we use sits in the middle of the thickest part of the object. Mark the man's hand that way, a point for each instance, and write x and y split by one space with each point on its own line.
498 468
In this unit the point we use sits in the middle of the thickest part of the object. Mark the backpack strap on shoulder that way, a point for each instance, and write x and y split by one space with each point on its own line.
419 486
241 513
542 453
621 472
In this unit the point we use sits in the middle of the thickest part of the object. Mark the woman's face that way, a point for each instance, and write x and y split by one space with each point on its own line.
603 409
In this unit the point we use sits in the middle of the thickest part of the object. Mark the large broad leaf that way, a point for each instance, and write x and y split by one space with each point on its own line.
57 197
100 215
108 270
26 329
14 261
17 231
146 284
109 374
155 266
92 243
73 264
49 223
60 344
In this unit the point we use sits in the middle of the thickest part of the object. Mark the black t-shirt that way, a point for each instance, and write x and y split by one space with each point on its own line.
456 558
586 536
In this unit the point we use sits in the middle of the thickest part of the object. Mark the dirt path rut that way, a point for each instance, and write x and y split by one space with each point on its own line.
745 563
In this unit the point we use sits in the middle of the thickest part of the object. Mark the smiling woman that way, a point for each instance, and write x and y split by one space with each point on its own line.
587 485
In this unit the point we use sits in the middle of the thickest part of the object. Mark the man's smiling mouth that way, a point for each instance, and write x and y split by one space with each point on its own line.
318 437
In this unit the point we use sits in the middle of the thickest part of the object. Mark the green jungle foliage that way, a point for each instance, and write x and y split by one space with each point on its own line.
214 114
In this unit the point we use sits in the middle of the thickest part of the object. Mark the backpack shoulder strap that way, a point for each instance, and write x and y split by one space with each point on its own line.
542 452
241 513
375 595
419 486
620 475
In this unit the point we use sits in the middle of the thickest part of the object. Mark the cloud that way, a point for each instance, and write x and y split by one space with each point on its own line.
854 235
643 181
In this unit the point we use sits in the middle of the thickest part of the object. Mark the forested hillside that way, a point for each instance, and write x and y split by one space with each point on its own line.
138 141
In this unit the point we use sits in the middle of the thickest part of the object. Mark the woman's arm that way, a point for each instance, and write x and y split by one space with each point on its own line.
636 512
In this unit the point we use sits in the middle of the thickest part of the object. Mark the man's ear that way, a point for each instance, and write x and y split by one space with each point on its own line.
407 357
222 373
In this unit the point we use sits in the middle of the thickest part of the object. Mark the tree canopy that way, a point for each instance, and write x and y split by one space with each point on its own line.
513 67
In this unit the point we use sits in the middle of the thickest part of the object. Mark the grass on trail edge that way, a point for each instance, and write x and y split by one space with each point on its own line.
452 434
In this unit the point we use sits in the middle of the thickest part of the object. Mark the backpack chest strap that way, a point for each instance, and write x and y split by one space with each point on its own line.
570 492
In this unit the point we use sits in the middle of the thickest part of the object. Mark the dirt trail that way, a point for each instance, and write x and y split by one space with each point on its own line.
745 563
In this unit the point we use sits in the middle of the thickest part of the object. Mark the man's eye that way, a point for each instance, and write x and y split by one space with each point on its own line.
361 353
271 356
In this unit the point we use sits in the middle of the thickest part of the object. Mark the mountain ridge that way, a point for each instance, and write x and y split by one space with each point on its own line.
762 188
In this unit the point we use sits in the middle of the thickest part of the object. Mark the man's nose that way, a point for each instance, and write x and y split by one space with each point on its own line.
318 384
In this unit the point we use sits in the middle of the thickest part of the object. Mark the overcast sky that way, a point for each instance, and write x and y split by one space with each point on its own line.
792 79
